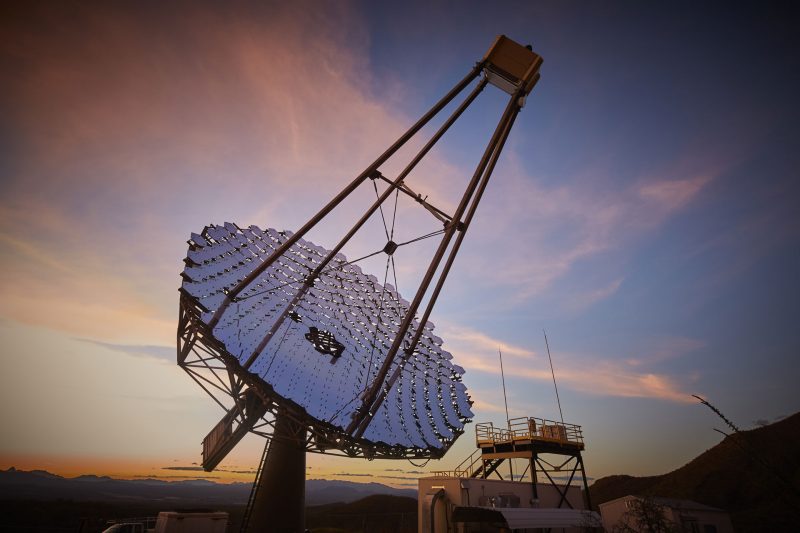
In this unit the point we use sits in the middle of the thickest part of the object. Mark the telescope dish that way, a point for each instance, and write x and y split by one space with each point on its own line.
325 356
297 344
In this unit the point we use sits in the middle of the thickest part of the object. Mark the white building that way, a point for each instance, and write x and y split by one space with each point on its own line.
689 516
540 488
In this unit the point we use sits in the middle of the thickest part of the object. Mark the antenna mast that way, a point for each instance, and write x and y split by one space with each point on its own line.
554 376
505 399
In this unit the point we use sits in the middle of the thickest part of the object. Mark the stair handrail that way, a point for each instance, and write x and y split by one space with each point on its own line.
461 470
248 511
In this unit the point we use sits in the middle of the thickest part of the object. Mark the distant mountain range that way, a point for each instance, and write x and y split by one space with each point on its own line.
42 485
755 475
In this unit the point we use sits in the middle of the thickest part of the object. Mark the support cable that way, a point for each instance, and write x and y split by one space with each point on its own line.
479 180
380 207
278 349
340 267
332 253
378 322
413 130
554 376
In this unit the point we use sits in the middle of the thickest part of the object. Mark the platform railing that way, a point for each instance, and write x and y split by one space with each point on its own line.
528 428
466 468
522 429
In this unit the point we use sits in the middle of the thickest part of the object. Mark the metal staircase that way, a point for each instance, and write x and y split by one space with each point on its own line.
473 466
527 439
248 511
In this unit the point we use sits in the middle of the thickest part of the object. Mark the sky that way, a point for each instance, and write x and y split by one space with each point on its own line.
644 212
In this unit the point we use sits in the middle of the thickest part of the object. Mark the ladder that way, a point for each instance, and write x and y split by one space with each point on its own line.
248 511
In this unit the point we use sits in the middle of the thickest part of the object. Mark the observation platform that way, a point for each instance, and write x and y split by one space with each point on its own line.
525 438
528 439
526 435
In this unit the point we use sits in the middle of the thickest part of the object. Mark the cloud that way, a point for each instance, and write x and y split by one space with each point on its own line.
581 301
472 346
163 353
182 478
667 349
586 373
670 195
487 407
400 484
134 128
541 238
201 469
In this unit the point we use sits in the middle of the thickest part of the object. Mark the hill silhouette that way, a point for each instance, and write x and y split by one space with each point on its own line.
754 475
380 513
37 500
41 485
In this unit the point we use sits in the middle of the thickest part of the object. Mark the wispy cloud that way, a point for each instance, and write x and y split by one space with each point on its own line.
483 406
473 345
216 470
581 301
164 353
175 477
567 224
670 195
590 374
666 349
110 181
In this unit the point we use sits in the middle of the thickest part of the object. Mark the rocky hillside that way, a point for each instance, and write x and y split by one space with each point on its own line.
754 474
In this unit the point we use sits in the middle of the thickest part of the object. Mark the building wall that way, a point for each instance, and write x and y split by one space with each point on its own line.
699 520
468 492
704 520
611 512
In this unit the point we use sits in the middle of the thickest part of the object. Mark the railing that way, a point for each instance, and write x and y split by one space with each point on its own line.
465 469
528 428
221 433
519 429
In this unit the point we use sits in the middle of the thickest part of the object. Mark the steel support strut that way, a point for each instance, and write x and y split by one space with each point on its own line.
220 376
478 183
345 192
374 207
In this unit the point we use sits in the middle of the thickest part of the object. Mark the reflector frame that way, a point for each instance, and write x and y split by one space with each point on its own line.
427 406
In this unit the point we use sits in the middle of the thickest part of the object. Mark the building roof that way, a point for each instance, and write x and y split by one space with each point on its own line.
673 503
527 517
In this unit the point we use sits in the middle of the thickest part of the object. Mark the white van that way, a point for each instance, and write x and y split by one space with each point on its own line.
174 522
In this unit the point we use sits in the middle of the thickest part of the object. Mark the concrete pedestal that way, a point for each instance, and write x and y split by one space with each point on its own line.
279 505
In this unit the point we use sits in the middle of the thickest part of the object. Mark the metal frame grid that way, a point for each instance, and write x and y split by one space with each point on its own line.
220 374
